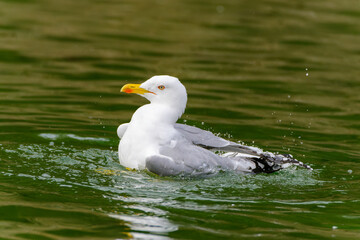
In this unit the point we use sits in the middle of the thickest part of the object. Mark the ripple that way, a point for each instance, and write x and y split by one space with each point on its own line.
53 136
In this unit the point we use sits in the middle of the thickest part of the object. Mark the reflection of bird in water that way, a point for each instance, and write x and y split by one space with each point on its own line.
153 140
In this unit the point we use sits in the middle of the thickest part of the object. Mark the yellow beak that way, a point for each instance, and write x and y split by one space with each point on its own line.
134 88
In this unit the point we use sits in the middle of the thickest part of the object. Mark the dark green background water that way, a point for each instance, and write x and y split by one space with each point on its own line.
280 75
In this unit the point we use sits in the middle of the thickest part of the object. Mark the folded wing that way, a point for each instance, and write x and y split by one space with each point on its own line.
272 162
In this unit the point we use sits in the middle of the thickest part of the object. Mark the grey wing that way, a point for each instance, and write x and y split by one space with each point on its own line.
187 159
209 141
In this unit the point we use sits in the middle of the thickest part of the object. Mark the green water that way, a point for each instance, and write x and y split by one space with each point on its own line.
280 75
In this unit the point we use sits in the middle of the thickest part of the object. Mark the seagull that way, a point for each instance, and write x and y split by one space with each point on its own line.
153 140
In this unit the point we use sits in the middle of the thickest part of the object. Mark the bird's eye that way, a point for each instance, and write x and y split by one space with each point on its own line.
161 87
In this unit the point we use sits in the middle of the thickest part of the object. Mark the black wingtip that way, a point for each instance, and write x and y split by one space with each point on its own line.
273 163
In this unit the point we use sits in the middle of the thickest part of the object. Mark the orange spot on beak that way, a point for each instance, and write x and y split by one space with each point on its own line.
134 88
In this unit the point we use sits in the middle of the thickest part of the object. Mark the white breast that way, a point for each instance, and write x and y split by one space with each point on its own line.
143 137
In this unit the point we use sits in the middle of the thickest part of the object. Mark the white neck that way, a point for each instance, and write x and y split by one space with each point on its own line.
156 113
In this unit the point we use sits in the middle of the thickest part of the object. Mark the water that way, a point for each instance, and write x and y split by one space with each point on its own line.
280 75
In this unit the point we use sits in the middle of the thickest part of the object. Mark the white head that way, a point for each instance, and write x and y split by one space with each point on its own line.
162 89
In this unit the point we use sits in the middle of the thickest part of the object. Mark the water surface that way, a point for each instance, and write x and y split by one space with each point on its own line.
280 75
